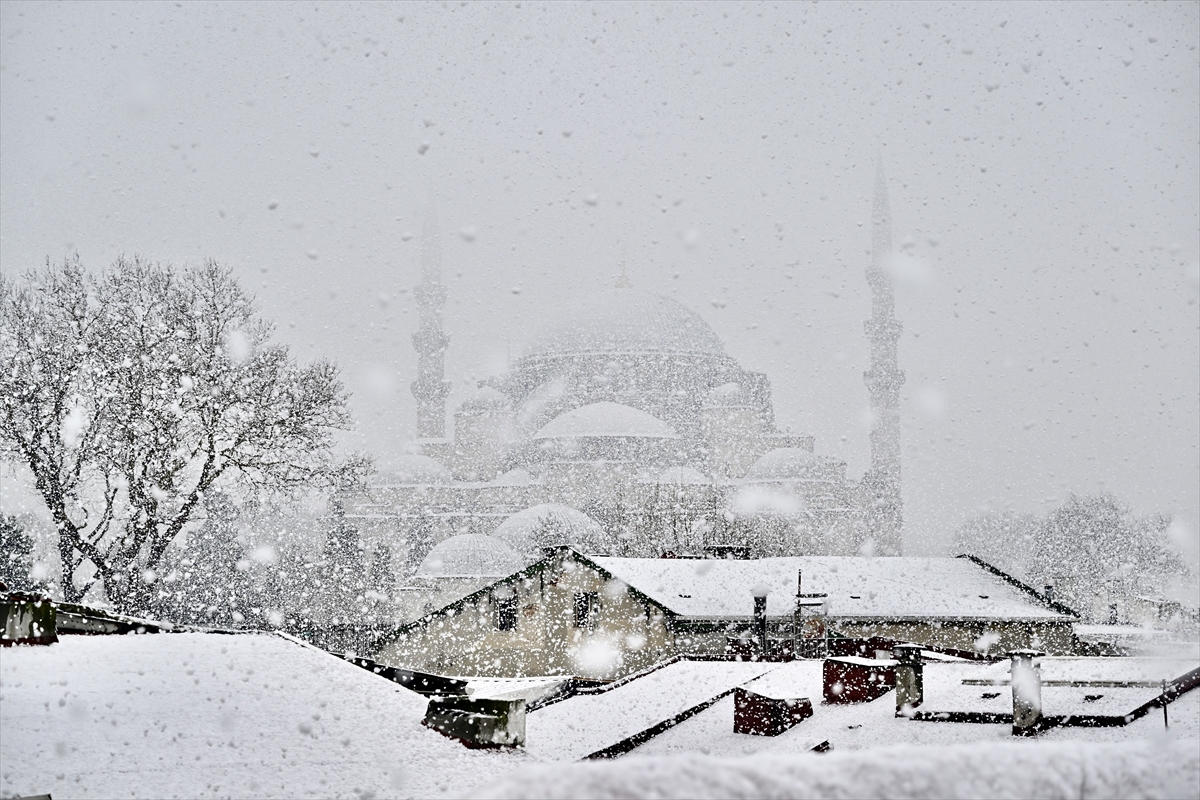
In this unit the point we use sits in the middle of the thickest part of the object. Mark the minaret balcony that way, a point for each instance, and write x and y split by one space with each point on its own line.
430 341
887 330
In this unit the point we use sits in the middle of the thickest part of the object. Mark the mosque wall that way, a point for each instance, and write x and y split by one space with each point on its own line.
668 386
642 518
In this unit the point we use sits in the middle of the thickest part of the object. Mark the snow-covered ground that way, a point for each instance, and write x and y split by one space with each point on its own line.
261 715
1025 769
205 715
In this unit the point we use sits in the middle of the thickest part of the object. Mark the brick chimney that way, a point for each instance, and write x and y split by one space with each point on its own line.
910 678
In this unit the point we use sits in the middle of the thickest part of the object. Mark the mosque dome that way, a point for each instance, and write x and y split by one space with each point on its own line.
470 555
727 395
683 476
793 463
486 401
627 321
414 470
606 419
551 525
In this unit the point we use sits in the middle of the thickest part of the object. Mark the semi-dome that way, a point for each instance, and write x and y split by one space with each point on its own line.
793 463
605 419
629 321
552 525
683 476
470 555
486 401
414 470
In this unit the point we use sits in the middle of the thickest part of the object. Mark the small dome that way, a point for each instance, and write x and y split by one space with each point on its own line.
486 401
606 419
727 395
470 555
414 470
793 463
686 476
517 476
551 525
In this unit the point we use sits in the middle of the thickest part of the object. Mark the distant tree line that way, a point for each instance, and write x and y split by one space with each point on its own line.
1088 545
16 555
241 569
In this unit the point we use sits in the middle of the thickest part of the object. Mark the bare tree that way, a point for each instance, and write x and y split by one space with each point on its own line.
131 393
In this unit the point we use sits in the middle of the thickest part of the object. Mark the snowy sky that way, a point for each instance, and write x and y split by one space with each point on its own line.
1043 163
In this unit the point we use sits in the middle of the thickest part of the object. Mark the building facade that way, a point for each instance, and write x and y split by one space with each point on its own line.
601 618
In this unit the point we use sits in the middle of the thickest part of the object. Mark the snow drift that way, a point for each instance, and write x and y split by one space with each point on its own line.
1147 769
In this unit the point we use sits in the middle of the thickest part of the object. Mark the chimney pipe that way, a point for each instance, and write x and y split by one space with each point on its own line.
1049 593
910 678
760 623
1026 680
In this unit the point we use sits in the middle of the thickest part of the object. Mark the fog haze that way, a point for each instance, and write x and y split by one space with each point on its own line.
1043 164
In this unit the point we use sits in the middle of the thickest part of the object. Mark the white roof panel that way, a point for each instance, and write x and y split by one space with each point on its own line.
867 588
214 715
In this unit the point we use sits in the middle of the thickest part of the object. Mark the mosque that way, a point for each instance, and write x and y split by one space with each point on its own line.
626 430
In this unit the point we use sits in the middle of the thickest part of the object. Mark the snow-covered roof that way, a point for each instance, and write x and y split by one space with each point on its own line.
551 525
470 555
606 419
859 588
414 470
856 726
686 476
214 715
585 724
628 321
791 463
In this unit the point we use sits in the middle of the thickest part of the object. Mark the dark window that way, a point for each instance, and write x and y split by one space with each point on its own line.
505 609
586 605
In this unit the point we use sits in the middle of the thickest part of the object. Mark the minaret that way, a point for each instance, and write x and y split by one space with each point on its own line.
430 388
881 484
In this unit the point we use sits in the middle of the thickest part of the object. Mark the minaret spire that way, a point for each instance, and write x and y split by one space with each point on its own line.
885 514
430 388
623 281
